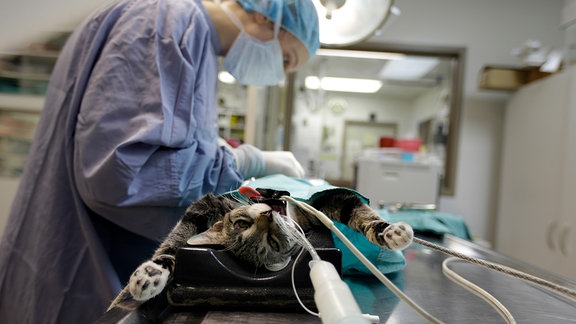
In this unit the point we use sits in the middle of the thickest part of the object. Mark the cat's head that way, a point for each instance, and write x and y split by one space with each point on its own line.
255 233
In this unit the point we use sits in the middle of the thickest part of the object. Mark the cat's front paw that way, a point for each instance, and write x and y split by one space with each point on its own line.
397 236
149 279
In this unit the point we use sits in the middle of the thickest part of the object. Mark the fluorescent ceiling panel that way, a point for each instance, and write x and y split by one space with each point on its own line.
360 54
343 84
410 68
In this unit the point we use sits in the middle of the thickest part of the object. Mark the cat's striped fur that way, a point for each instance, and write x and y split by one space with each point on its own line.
257 234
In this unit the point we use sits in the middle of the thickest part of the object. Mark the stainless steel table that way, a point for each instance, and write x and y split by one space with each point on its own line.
423 281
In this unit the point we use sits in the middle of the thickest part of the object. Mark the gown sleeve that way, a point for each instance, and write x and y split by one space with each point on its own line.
146 135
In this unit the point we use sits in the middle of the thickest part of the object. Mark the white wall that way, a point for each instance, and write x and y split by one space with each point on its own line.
314 119
24 21
489 30
430 105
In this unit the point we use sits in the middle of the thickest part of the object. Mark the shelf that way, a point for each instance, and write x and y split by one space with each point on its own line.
32 53
25 76
16 135
21 103
27 71
508 78
231 124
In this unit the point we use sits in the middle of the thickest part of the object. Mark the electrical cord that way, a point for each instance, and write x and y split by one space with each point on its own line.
501 268
475 289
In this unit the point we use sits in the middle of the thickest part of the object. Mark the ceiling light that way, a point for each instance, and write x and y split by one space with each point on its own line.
347 22
343 84
226 77
360 54
408 69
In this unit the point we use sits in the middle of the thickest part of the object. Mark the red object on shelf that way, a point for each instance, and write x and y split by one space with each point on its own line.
387 141
410 145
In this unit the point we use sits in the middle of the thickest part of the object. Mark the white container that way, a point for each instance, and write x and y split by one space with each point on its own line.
333 297
390 182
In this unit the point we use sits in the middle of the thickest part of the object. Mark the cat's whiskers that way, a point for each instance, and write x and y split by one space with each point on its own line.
231 245
255 273
241 201
293 231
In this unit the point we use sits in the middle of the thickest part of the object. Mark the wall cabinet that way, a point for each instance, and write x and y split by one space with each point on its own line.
537 214
18 118
24 78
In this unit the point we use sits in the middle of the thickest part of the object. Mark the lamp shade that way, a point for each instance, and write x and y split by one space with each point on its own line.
345 22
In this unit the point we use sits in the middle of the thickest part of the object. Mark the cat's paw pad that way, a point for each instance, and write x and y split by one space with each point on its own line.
397 236
148 280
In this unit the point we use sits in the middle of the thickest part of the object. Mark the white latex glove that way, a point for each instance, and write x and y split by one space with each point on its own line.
252 162
249 160
282 162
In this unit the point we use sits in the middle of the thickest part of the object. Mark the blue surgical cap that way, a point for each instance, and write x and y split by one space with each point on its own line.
299 17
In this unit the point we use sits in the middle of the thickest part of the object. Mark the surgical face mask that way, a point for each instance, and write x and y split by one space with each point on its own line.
252 61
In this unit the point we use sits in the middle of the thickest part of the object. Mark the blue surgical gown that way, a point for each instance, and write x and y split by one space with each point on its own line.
128 136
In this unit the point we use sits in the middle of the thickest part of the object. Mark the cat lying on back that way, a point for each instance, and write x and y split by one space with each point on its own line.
256 233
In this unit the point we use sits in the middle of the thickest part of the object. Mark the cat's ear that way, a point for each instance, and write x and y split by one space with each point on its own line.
212 236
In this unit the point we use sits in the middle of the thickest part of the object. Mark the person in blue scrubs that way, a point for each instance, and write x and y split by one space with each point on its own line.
128 138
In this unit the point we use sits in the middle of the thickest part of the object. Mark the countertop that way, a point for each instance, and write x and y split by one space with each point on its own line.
423 281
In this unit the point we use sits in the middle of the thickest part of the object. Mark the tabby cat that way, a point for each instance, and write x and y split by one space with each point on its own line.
256 232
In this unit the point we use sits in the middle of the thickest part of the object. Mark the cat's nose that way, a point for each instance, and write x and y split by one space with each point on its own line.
264 219
267 214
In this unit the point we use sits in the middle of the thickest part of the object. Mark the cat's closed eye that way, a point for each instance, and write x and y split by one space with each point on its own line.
242 224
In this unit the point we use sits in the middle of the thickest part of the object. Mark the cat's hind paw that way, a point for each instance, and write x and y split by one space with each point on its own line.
397 236
148 280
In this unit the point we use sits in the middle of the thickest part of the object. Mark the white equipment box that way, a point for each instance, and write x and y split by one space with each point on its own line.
388 182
